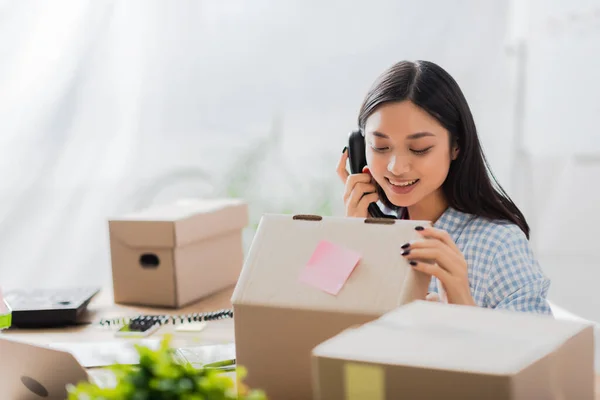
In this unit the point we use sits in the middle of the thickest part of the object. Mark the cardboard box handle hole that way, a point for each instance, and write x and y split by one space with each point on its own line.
149 260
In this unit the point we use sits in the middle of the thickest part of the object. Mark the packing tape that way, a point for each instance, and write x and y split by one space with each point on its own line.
364 381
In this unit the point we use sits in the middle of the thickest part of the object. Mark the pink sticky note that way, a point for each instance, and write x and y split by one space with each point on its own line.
329 267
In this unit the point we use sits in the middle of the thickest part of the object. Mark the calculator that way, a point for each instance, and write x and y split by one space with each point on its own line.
45 308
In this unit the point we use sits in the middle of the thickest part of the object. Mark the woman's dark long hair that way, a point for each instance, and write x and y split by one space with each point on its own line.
470 186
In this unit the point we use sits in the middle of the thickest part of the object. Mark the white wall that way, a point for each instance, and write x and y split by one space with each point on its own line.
558 170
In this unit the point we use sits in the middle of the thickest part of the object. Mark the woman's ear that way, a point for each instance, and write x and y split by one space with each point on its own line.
454 153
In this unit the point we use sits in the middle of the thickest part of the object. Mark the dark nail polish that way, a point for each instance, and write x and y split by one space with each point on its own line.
413 263
405 252
406 246
345 148
419 228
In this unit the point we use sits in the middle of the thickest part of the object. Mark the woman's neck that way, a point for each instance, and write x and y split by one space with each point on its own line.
430 208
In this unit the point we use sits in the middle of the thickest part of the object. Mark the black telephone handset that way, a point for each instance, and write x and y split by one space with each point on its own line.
357 158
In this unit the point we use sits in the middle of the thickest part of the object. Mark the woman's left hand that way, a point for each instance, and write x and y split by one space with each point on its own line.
437 254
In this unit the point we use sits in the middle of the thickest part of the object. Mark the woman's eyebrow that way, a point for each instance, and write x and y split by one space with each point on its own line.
413 136
381 135
419 135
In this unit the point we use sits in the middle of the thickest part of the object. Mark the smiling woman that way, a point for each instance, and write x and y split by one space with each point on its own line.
409 154
425 162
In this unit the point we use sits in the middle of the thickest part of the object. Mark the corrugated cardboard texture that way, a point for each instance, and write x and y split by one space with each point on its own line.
145 234
278 319
134 285
179 223
329 381
198 245
428 349
214 263
274 345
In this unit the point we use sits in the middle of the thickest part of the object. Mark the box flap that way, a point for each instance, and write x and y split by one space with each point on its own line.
179 223
455 338
143 234
283 245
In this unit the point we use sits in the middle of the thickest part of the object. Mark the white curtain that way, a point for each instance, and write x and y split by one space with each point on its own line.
109 106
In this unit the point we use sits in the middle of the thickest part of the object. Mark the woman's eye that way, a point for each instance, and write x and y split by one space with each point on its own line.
379 149
420 151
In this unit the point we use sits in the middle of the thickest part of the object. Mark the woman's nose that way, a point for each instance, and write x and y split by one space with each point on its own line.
398 165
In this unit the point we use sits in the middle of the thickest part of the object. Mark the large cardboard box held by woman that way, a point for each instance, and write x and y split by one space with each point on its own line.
294 291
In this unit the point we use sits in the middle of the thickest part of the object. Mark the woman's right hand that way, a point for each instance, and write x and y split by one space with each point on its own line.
360 190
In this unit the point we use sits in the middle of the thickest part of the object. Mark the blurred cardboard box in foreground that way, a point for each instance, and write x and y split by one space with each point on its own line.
428 350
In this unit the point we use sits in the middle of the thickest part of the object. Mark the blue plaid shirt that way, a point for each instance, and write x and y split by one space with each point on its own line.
503 272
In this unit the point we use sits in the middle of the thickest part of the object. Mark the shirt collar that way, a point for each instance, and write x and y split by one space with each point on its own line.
452 221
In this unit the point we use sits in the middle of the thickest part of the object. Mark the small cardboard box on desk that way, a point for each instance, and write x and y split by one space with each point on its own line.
307 278
428 350
172 255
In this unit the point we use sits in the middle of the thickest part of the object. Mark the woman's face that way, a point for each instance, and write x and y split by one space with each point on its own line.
408 152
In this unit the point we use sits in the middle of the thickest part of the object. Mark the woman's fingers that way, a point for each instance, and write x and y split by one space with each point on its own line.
432 296
360 189
367 199
432 270
341 167
438 255
352 185
439 234
433 250
359 199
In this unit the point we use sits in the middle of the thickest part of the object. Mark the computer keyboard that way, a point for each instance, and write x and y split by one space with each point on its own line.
43 308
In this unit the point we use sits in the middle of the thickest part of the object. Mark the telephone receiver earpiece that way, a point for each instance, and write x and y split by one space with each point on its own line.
356 152
357 158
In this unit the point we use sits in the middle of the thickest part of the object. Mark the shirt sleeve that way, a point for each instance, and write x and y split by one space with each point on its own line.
516 281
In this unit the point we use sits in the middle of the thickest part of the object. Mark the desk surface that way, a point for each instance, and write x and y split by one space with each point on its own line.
102 306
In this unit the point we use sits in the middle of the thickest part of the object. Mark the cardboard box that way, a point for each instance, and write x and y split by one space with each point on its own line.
431 350
279 319
172 255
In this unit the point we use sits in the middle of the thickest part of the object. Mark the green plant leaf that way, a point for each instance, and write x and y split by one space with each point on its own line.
159 377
